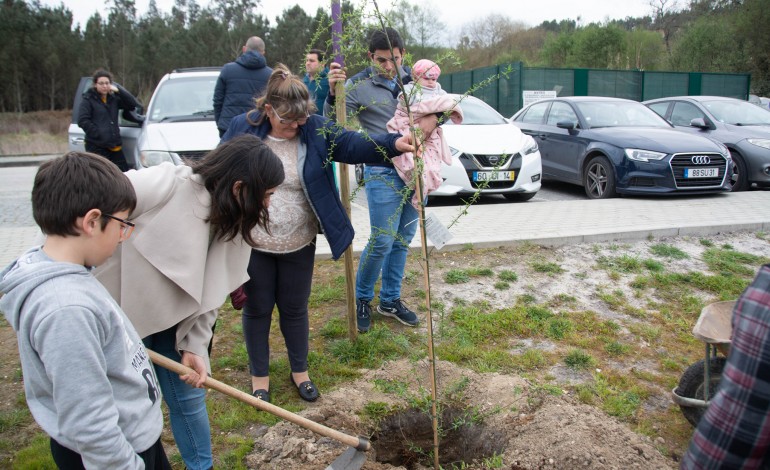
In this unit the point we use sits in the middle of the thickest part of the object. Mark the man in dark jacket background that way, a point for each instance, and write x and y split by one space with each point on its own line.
240 82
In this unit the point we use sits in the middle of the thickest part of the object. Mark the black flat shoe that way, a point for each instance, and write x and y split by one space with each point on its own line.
307 390
262 394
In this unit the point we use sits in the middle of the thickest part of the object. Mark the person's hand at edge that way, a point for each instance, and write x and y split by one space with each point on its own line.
336 74
404 144
196 363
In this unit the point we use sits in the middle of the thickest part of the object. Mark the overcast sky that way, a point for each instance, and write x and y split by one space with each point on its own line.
452 12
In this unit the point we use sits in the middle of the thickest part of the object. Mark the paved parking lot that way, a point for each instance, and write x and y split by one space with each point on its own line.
491 223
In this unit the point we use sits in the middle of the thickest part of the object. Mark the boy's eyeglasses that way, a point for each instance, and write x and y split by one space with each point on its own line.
287 122
126 227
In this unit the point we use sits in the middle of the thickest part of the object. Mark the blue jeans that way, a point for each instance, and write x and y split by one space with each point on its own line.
186 405
394 223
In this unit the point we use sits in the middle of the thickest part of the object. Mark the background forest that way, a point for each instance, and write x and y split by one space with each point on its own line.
43 55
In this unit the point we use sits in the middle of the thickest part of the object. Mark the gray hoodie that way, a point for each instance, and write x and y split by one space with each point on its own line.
88 379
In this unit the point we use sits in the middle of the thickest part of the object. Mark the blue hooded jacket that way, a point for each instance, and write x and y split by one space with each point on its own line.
239 83
319 141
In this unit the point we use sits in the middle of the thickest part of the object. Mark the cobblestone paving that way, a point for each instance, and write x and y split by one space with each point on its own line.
15 205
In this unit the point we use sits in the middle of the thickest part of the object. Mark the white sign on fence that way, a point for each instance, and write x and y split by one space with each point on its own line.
531 96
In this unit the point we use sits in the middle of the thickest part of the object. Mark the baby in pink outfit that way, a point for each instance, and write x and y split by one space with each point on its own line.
426 100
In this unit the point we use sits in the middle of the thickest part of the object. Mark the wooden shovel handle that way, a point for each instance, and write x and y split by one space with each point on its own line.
359 443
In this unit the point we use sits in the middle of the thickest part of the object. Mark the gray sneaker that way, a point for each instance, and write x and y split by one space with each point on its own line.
399 311
363 316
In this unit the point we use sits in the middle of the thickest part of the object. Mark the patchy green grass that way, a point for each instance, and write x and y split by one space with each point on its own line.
579 360
371 350
727 261
668 251
459 276
624 264
548 267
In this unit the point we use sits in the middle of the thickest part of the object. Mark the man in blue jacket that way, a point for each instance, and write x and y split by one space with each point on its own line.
240 82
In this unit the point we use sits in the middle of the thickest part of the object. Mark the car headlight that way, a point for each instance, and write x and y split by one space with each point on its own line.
764 143
154 157
454 152
530 147
644 155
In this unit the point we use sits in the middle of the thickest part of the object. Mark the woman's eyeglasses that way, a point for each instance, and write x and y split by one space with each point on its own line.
287 122
126 227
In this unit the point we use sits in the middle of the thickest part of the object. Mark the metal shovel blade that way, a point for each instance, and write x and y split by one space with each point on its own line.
351 459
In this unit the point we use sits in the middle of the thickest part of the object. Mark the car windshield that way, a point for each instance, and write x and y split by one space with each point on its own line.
619 114
477 112
740 113
184 98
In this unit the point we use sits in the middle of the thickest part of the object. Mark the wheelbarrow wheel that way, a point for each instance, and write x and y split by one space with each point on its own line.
691 385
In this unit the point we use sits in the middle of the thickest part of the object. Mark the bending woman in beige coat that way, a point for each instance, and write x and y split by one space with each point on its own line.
190 249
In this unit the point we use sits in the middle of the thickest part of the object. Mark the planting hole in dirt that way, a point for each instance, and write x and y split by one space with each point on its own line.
406 438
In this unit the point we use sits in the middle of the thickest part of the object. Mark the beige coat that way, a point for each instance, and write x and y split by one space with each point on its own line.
167 274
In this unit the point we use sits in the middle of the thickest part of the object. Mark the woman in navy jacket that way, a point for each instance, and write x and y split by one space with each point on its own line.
98 117
281 267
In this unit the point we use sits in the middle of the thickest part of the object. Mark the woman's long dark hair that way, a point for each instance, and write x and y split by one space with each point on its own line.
237 210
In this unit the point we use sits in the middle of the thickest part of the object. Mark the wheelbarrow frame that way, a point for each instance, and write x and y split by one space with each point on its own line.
714 328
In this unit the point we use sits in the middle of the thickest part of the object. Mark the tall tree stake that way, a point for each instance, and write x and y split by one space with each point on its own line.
341 114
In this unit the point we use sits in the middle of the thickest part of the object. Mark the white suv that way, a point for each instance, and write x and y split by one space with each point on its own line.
179 124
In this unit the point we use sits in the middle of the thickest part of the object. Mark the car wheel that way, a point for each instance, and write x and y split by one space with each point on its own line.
519 197
740 175
359 174
599 179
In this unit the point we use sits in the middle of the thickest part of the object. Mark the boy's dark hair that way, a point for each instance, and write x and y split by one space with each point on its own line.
380 40
319 53
67 187
99 73
246 159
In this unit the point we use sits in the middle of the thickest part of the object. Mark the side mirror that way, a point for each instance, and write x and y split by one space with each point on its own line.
569 125
700 123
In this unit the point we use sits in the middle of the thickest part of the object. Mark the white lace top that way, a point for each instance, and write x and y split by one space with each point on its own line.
293 224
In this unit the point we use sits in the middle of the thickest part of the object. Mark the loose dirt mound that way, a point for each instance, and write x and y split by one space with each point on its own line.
539 430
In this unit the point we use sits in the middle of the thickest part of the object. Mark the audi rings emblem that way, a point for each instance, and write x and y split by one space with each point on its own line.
701 160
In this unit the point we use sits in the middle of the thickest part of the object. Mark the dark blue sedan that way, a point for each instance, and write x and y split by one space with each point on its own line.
614 146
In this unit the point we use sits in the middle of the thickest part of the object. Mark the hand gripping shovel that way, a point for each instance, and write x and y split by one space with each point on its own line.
352 459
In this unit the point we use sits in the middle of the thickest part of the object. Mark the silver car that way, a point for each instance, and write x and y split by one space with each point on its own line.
741 126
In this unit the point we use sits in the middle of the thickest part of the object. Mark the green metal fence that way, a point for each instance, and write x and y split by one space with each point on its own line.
502 86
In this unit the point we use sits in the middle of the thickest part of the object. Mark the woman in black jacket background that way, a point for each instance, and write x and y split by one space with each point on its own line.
98 117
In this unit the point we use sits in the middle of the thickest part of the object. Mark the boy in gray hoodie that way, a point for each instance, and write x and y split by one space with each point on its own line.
88 380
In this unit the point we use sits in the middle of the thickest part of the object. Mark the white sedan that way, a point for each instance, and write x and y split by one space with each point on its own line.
489 153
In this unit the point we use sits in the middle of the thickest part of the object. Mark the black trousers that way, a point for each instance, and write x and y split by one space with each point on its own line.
283 280
66 459
115 157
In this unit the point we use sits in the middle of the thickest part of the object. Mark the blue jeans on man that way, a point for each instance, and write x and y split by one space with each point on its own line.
394 222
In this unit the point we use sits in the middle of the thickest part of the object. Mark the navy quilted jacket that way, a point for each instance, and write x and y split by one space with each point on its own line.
239 83
321 139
